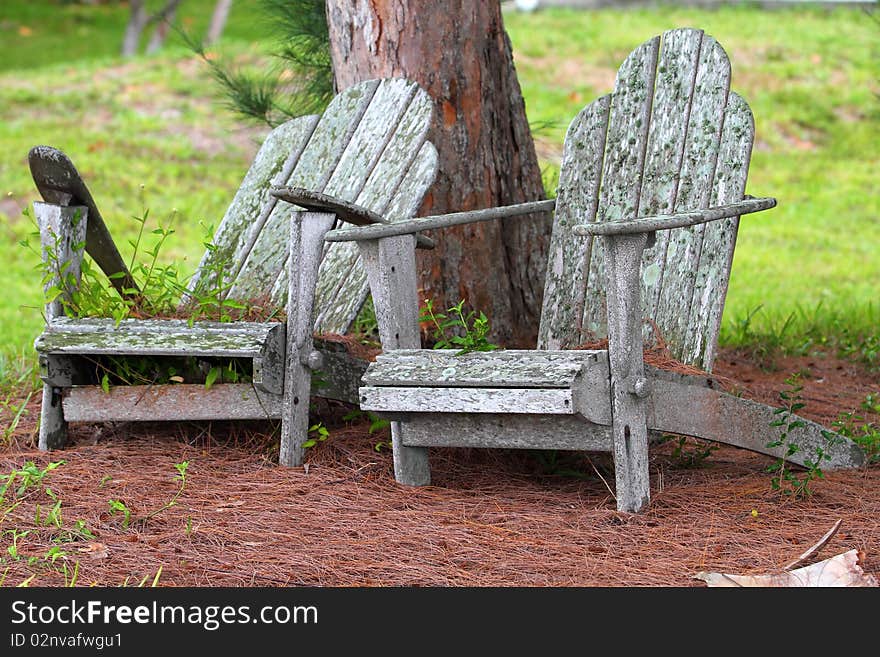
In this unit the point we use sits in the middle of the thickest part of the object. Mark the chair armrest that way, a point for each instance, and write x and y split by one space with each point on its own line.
679 220
350 212
410 226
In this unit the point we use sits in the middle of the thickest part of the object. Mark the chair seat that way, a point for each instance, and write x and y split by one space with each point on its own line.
509 381
160 337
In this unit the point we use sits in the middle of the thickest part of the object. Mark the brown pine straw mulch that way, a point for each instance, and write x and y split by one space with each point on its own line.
491 517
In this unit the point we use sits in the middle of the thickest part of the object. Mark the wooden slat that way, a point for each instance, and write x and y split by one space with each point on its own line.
663 192
550 401
383 175
510 368
681 261
252 204
506 431
158 338
623 163
569 256
63 231
710 291
265 261
721 417
368 171
307 231
228 401
404 203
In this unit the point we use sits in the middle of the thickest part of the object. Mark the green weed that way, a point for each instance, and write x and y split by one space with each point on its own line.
319 434
784 479
29 476
118 506
457 330
689 452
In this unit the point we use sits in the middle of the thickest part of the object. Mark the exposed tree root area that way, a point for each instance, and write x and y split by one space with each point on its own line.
490 518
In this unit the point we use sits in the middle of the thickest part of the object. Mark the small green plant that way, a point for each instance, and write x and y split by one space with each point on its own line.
118 506
180 478
19 409
70 577
13 548
865 434
144 579
29 476
319 434
457 330
366 326
784 479
377 425
558 463
78 532
53 554
690 453
53 514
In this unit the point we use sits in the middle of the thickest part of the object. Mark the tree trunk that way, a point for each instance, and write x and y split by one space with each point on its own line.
163 21
136 23
218 21
459 52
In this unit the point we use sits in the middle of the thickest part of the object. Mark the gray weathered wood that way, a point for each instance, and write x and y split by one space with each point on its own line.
514 368
563 309
368 150
340 373
667 151
709 293
348 212
391 268
63 232
505 431
160 338
623 257
307 231
650 224
59 183
379 114
685 405
53 425
251 207
679 253
229 401
552 401
390 229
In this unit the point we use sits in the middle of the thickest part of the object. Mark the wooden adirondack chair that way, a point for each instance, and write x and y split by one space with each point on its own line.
369 146
658 170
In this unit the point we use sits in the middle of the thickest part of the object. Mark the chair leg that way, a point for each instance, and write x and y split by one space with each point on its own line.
411 464
307 230
629 388
391 269
295 414
53 428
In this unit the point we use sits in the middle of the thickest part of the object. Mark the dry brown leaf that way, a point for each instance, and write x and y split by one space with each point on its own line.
841 570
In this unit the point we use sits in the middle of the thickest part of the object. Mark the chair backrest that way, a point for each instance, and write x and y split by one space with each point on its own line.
370 148
671 137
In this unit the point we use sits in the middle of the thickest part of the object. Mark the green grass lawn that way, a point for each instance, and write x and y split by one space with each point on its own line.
152 132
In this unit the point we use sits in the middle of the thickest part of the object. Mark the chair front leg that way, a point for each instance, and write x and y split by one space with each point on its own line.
391 269
629 387
307 230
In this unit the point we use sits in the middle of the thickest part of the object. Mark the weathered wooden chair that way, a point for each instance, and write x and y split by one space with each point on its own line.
658 170
369 146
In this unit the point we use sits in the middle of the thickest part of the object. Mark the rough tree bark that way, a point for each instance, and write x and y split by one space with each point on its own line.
218 21
459 52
